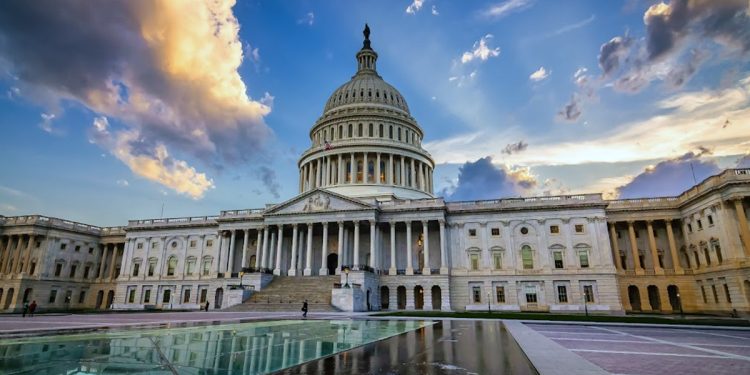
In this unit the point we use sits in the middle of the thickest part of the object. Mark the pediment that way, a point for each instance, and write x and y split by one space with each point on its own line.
318 201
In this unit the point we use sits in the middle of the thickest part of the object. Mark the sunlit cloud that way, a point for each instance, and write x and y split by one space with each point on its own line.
539 75
480 50
504 8
415 6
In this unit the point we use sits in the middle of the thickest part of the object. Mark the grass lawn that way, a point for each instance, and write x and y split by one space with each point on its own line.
710 321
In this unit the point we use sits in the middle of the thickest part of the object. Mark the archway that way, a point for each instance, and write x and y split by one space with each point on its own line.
332 262
9 298
27 294
401 297
110 298
418 297
634 296
99 299
674 301
384 297
437 298
653 298
218 298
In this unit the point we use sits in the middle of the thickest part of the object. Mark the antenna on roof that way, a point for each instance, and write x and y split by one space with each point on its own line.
695 181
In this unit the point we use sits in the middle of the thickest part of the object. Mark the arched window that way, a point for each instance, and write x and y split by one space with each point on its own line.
359 130
371 134
527 256
399 134
351 130
380 133
390 132
171 265
341 131
206 266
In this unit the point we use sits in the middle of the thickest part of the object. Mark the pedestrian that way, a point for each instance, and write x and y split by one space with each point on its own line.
25 309
304 309
32 308
207 305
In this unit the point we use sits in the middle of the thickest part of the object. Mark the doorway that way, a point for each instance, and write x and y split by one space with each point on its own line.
219 298
332 262
418 297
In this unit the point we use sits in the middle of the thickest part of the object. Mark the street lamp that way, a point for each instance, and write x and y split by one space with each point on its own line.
346 271
679 302
241 274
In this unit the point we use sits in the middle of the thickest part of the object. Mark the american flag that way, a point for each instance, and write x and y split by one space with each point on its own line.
328 145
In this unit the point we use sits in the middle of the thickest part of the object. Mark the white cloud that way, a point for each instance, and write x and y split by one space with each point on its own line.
46 123
480 51
122 182
309 19
539 74
435 11
506 7
415 6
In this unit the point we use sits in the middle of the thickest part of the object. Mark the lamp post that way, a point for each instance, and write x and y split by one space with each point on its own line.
241 274
679 302
489 309
346 272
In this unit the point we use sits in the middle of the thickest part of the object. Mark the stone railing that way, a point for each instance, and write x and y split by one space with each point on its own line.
525 202
54 222
175 221
366 141
242 213
411 203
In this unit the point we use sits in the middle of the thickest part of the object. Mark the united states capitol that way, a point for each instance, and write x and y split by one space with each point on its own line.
367 232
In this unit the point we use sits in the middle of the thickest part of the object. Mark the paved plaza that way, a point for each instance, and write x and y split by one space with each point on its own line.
642 350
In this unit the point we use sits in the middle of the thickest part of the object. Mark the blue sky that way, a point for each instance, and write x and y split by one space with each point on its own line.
116 113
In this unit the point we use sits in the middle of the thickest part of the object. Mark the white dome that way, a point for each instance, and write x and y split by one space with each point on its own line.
366 88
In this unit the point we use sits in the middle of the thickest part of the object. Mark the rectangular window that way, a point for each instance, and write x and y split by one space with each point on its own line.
700 224
579 228
690 228
726 293
52 296
498 260
554 229
63 246
58 269
716 295
558 259
151 268
474 262
476 294
91 250
204 293
147 296
190 267
619 234
530 296
209 243
206 267
472 232
68 296
73 271
167 296
32 268
500 294
562 294
38 244
78 248
583 256
186 296
131 296
139 245
703 294
710 220
637 233
154 244
495 231
82 296
86 271
136 268
588 293
192 243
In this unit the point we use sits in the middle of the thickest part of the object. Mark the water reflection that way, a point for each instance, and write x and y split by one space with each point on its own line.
248 348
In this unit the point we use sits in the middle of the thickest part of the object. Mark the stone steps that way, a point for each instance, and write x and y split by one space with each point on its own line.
287 293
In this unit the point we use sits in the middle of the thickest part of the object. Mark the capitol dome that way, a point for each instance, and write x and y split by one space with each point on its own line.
366 144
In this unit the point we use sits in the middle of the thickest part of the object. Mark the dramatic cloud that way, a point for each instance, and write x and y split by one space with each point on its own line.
539 74
415 6
507 7
572 111
613 52
484 180
166 71
268 177
513 148
670 177
480 51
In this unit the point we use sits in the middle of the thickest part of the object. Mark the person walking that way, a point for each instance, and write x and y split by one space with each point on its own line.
304 309
25 309
207 305
32 308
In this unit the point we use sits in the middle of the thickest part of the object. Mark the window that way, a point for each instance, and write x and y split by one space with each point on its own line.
192 243
703 294
726 293
147 296
151 267
78 248
588 293
637 233
624 261
583 257
710 220
131 296
717 249
32 268
68 296
167 296
524 230
174 244
154 244
708 258
716 295
72 271
562 294
497 260
82 296
58 269
476 294
495 231
190 265
641 261
697 259
171 265
136 268
531 295
52 296
558 256
500 294
690 228
38 244
91 250
186 296
206 267
86 271
139 245
554 229
528 257
700 224
474 260
472 232
63 246
204 293
579 228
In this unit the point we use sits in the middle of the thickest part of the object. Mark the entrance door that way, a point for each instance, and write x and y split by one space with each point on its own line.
332 262
634 296
401 297
437 298
219 298
384 297
418 297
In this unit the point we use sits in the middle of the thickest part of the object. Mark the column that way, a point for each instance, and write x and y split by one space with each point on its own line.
104 260
29 249
615 247
352 169
308 256
17 260
443 255
409 268
739 210
280 242
390 169
377 169
309 176
264 253
340 227
258 242
355 263
634 247
230 263
426 251
4 256
412 175
673 247
114 259
318 173
293 262
403 172
245 248
365 169
393 270
219 251
340 170
324 252
652 246
372 244
270 259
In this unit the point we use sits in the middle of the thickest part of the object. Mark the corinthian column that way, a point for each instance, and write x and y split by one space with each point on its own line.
652 246
634 247
393 270
324 252
340 228
293 262
426 252
355 264
308 258
409 268
279 243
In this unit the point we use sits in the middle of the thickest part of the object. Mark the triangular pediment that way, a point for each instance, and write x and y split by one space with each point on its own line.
318 201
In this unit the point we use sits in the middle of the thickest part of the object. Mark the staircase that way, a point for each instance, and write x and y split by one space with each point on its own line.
286 293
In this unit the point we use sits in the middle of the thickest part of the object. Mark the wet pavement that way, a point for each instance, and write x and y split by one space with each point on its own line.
452 347
638 350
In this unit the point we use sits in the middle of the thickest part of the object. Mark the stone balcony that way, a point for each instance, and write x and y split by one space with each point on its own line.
174 222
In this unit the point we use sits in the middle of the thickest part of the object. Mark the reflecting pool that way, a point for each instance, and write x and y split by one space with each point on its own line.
243 348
